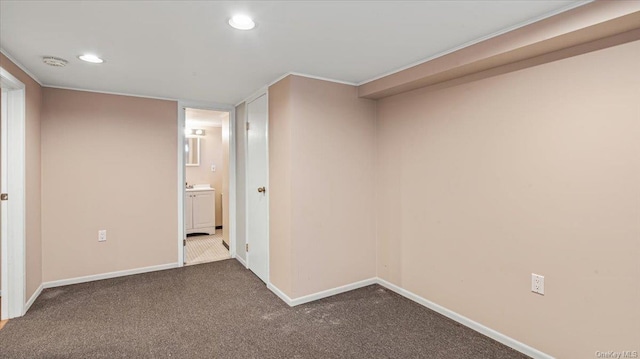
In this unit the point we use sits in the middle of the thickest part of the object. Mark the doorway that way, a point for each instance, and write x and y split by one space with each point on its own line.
206 203
12 202
206 180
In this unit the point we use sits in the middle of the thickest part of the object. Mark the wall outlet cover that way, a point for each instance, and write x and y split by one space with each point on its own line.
102 235
537 283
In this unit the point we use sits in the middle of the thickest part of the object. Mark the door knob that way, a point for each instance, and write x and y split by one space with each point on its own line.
262 189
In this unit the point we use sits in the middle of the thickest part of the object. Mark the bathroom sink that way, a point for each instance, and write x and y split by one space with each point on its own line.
200 187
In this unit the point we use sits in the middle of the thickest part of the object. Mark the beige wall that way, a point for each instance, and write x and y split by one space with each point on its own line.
538 170
241 133
281 256
211 152
322 136
108 162
33 94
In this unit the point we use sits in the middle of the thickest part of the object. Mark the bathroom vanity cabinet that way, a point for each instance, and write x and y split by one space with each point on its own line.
200 211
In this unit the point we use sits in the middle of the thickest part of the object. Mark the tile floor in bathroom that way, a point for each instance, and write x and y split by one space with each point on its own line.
203 249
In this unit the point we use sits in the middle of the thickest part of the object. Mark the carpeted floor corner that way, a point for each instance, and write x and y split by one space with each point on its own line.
221 310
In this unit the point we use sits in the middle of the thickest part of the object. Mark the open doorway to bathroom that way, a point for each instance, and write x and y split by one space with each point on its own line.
206 201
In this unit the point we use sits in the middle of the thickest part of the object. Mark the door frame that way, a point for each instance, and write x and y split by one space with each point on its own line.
181 190
14 210
263 91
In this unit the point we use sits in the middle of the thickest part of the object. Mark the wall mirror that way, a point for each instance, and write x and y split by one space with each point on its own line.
192 151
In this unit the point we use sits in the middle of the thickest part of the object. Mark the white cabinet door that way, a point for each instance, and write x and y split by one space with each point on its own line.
188 211
204 207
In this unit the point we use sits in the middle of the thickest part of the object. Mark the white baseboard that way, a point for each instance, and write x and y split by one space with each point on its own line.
242 261
320 295
123 273
499 337
91 278
285 298
33 298
333 291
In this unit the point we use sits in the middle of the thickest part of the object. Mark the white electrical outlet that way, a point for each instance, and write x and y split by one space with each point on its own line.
537 283
102 235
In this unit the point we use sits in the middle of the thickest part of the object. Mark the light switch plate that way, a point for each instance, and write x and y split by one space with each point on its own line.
213 168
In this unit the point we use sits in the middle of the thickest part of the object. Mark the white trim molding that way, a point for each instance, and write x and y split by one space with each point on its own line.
181 190
478 40
315 78
285 298
33 298
322 294
258 93
91 278
233 185
242 261
181 120
263 89
122 273
469 323
110 93
20 66
435 56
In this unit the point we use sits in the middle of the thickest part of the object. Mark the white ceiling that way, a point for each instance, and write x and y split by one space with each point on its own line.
186 49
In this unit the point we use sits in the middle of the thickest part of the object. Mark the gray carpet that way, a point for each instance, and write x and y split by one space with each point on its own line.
221 310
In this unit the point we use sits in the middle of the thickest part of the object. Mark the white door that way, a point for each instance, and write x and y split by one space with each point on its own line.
13 209
257 191
204 215
4 276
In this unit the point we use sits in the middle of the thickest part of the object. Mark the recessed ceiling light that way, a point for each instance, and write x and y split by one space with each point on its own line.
242 22
91 58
